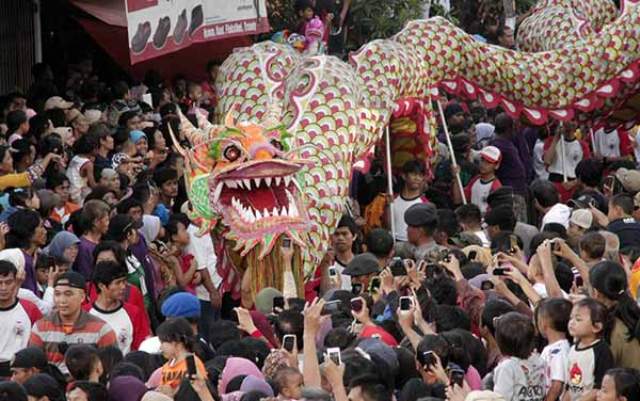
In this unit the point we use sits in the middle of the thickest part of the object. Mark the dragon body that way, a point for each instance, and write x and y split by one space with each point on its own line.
293 126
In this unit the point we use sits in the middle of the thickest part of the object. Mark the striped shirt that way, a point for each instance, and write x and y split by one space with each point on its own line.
50 334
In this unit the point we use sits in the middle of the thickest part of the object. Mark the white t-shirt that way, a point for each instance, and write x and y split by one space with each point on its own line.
202 250
520 379
400 205
541 289
16 330
559 213
121 324
538 161
607 144
346 280
480 191
573 154
555 361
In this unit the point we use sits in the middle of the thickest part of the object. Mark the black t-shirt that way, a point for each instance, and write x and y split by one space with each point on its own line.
627 230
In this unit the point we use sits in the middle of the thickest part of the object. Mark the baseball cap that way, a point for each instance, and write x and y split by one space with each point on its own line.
582 218
630 179
360 265
71 279
582 202
56 102
491 154
375 346
30 357
421 214
181 304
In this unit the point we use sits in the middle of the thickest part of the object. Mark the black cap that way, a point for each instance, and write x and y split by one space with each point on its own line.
120 225
501 196
30 357
363 264
421 214
71 279
582 202
41 385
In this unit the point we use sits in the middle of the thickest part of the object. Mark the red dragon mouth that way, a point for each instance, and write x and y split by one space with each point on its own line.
259 198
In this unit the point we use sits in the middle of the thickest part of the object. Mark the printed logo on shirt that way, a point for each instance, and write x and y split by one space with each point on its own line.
19 329
123 337
575 376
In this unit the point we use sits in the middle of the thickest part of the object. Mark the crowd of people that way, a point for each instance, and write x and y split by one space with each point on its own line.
509 272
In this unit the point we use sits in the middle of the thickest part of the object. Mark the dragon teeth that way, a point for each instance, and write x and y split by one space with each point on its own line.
278 180
247 183
268 181
231 184
287 180
218 191
258 215
256 181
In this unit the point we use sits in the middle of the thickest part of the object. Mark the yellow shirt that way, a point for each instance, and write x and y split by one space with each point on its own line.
17 180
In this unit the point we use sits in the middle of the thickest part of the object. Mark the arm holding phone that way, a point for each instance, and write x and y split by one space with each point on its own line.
311 368
544 252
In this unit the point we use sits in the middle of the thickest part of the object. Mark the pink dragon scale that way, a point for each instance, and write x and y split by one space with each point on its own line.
292 126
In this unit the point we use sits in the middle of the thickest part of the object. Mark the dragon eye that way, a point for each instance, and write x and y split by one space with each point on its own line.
277 144
232 153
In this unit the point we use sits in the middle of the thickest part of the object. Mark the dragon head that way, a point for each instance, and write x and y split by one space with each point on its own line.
253 182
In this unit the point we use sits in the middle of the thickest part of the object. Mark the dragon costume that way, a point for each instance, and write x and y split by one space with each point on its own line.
292 127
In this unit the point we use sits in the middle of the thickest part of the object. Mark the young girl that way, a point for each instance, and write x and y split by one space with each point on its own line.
611 287
590 357
94 222
176 343
184 264
620 385
520 374
552 318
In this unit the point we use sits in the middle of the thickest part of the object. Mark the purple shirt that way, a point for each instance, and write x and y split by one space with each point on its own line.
512 171
141 252
30 282
84 261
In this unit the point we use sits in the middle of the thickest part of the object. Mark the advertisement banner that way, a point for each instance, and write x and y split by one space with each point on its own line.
157 27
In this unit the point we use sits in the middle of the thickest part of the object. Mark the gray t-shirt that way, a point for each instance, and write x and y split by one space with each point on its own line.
520 379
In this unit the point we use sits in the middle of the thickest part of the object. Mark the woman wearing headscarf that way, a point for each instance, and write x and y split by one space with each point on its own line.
236 367
64 247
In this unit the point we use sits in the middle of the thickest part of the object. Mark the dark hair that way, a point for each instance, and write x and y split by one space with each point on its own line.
503 123
371 388
7 268
81 360
443 289
221 331
86 144
19 196
127 369
302 5
627 382
94 391
545 193
501 216
597 312
449 317
379 242
12 391
494 308
163 175
555 228
593 244
55 180
109 357
177 330
459 349
258 349
119 89
447 222
290 322
413 166
436 343
92 211
349 222
22 225
589 171
515 335
15 118
118 251
610 279
557 311
339 337
43 385
624 201
107 272
469 213
172 228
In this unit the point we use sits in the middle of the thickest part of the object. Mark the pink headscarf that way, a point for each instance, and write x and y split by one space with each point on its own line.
236 367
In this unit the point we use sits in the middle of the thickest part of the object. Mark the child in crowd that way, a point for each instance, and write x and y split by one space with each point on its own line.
305 12
289 383
482 185
590 357
520 374
176 343
620 384
412 192
83 363
552 319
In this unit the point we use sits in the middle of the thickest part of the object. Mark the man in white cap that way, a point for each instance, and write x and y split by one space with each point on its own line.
56 102
580 221
482 185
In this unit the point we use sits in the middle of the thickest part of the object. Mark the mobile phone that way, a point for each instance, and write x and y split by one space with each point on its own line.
278 302
374 284
356 289
426 358
397 267
286 242
500 271
334 354
191 367
330 307
555 245
456 376
333 272
445 256
514 245
289 342
234 317
357 304
406 303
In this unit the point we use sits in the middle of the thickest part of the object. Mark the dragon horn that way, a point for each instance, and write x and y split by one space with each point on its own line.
176 143
203 122
229 120
193 135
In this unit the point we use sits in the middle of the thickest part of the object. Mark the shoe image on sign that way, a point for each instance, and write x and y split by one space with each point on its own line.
181 27
197 18
139 40
162 31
